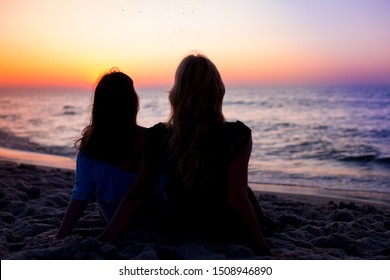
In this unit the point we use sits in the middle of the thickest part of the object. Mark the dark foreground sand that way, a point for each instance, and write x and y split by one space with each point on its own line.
33 201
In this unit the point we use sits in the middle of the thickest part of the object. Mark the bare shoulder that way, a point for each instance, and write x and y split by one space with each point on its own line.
237 175
244 155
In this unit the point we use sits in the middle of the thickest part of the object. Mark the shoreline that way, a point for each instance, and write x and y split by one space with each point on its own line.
37 159
40 159
302 192
33 200
22 150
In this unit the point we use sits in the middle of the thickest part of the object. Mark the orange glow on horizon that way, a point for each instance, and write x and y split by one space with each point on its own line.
272 74
71 43
289 67
75 82
78 77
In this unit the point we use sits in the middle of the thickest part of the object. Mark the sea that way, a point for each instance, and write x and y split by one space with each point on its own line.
306 140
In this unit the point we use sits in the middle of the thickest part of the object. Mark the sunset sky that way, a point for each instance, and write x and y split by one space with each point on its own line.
252 42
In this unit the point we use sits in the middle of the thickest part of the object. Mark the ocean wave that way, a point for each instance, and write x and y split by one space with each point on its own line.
334 150
251 103
9 118
367 159
69 113
304 149
360 158
11 141
69 110
385 160
380 133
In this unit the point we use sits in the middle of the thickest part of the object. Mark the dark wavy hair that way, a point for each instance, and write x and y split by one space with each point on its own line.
112 130
196 112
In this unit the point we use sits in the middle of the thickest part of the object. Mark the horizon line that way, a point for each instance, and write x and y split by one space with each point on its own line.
227 85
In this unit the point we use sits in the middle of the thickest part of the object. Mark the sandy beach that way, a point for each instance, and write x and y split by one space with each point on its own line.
33 200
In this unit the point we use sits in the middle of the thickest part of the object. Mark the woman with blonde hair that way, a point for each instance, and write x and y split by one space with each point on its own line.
205 161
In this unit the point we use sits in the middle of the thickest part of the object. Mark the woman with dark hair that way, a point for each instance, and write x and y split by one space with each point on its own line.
205 160
110 150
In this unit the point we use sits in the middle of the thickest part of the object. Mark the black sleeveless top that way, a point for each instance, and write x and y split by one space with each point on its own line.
202 208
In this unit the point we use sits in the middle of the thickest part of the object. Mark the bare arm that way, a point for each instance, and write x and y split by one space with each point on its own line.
131 203
73 213
239 202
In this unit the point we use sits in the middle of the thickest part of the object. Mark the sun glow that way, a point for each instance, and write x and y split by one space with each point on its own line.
71 43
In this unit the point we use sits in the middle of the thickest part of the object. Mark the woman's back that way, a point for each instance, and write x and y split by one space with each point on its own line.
204 206
110 150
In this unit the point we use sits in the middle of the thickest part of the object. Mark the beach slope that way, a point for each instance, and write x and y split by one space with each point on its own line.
33 201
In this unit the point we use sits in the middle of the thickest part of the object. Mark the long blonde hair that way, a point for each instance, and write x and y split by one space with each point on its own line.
196 111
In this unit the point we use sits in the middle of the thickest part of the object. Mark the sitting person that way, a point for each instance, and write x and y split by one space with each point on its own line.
110 150
205 160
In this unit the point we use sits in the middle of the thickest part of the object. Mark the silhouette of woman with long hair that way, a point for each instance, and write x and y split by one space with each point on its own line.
110 150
